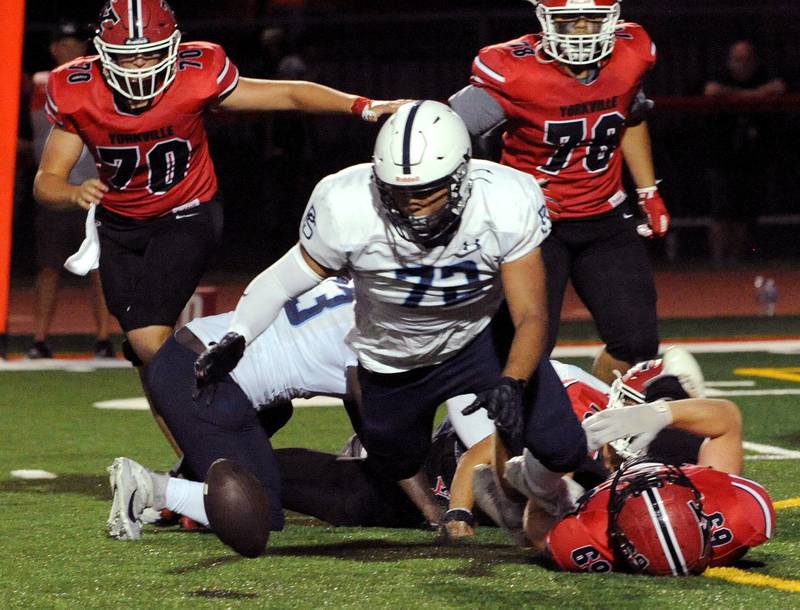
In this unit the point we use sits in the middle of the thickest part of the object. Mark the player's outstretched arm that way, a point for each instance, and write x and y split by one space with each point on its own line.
51 186
291 275
253 94
524 289
720 421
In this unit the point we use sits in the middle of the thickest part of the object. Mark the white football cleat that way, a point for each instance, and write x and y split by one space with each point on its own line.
680 363
132 490
491 500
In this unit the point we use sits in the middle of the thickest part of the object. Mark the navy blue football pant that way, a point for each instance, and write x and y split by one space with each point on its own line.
398 409
610 270
220 423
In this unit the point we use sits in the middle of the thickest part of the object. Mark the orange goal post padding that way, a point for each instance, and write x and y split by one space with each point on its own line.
11 32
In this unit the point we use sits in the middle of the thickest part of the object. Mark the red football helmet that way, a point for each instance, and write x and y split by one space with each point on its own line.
559 19
131 28
656 520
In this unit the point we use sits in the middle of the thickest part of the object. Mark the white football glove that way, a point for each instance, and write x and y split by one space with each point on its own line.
643 422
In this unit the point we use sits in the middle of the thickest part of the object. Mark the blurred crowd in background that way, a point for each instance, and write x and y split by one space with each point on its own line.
729 171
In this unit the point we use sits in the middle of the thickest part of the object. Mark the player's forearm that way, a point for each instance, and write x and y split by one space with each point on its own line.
720 421
266 295
526 348
461 494
316 98
710 417
638 155
54 191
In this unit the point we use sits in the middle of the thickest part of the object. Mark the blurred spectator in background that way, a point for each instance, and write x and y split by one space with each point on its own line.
59 233
739 143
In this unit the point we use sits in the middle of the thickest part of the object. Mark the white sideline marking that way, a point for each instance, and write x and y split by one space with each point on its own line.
140 404
771 450
712 393
777 346
124 404
33 474
317 401
731 384
71 366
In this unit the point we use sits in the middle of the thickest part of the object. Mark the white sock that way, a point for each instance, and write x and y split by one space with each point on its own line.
186 498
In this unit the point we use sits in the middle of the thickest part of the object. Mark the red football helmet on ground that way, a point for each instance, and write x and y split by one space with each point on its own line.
131 28
656 520
559 19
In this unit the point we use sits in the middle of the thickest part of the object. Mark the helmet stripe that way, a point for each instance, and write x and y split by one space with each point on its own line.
135 26
407 137
666 535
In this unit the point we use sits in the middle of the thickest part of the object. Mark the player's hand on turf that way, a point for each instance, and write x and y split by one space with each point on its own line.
456 530
654 208
643 422
503 404
458 523
88 193
219 359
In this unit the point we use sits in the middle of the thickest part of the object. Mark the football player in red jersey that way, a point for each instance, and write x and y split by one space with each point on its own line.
138 106
661 532
572 104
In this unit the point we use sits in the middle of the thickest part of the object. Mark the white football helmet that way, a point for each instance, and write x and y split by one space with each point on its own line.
559 18
423 147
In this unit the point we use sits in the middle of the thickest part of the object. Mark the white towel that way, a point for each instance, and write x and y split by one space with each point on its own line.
87 257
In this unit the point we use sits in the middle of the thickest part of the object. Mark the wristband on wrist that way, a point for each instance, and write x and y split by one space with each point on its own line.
360 106
459 514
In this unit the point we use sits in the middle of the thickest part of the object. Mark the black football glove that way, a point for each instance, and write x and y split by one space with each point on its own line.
503 404
219 359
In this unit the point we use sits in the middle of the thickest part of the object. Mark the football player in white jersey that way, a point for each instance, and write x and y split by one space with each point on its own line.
433 241
302 354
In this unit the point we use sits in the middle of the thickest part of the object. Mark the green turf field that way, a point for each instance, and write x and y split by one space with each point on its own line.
56 555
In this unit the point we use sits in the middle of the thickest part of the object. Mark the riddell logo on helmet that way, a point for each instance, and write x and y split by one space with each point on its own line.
407 178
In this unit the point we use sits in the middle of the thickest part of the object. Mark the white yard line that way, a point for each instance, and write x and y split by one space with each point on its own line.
786 346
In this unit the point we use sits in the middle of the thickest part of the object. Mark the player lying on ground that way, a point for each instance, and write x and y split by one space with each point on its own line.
688 488
302 354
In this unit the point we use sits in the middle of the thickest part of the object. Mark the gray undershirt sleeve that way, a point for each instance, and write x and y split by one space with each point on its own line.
478 109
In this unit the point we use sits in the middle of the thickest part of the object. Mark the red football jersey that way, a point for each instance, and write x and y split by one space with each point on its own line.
563 130
156 160
740 512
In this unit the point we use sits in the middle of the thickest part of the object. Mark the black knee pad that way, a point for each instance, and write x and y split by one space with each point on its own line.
130 355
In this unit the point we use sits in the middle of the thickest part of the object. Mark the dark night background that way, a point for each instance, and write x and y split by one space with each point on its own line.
267 165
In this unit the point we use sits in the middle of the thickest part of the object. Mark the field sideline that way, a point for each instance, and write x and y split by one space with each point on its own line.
56 554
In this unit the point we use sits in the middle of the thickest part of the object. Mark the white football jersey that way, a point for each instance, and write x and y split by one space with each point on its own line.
417 307
303 353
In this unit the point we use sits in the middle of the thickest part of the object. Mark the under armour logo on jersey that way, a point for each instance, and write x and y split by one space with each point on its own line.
469 248
309 222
